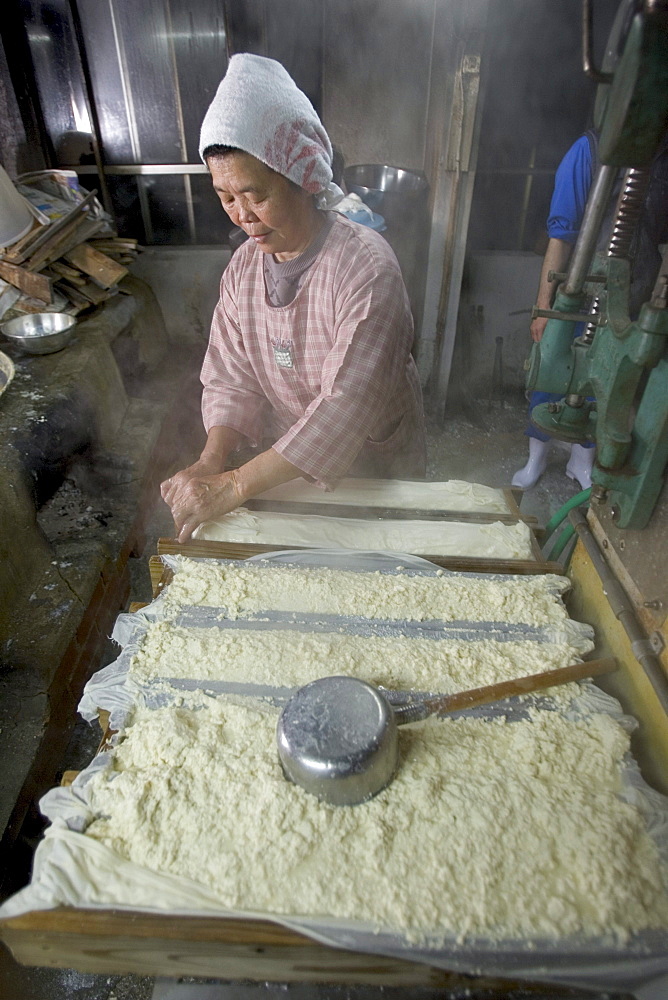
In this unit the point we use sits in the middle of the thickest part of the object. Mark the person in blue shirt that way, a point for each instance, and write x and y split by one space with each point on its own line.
572 182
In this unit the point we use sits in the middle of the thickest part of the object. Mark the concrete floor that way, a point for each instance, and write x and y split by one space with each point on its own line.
487 451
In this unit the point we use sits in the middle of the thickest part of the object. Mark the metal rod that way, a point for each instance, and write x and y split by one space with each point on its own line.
528 183
130 169
91 107
623 610
555 314
597 205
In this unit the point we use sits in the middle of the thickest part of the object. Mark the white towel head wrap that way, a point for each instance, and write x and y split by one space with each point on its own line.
259 108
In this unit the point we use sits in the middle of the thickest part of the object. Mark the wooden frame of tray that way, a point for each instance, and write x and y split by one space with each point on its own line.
115 942
463 564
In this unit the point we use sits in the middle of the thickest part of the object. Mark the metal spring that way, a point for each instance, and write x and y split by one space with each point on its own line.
627 213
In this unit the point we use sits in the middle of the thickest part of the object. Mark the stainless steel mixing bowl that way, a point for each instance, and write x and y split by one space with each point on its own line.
40 333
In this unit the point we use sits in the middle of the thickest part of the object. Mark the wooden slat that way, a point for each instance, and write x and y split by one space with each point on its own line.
38 286
136 606
48 234
160 574
367 513
65 271
73 238
93 293
123 942
102 269
509 495
460 564
16 249
106 243
74 295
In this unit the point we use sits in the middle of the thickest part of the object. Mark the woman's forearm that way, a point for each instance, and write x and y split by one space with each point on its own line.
219 443
264 471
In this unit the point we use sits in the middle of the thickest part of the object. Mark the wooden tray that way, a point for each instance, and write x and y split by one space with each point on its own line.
462 564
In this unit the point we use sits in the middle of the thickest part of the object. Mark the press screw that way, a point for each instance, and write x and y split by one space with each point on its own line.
622 544
656 605
553 407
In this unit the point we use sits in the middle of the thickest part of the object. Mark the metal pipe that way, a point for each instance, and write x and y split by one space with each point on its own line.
597 205
91 107
130 169
623 611
588 46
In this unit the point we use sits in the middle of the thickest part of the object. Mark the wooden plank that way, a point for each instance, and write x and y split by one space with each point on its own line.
94 293
52 248
367 513
102 269
37 286
536 549
65 271
66 240
123 942
13 252
116 242
74 295
49 233
158 572
460 564
135 606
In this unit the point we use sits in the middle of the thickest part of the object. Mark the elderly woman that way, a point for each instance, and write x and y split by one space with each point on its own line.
310 342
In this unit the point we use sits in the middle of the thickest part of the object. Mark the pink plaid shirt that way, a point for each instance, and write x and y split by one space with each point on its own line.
347 336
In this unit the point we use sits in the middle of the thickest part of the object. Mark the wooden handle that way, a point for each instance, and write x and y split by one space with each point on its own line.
521 685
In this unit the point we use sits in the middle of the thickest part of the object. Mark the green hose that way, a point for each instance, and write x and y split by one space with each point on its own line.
561 542
563 512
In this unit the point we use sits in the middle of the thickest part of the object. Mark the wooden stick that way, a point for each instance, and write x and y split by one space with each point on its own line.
380 513
521 685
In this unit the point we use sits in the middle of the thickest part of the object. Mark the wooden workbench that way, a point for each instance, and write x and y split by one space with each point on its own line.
111 941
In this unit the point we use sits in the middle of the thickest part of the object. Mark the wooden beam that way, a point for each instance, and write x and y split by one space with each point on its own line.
37 286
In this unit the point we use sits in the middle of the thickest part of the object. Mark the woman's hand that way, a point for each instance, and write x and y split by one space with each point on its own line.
201 498
202 467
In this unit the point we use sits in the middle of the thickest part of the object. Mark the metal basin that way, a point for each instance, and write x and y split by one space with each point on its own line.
373 182
40 333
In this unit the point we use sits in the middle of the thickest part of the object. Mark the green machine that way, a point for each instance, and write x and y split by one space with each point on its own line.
614 377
